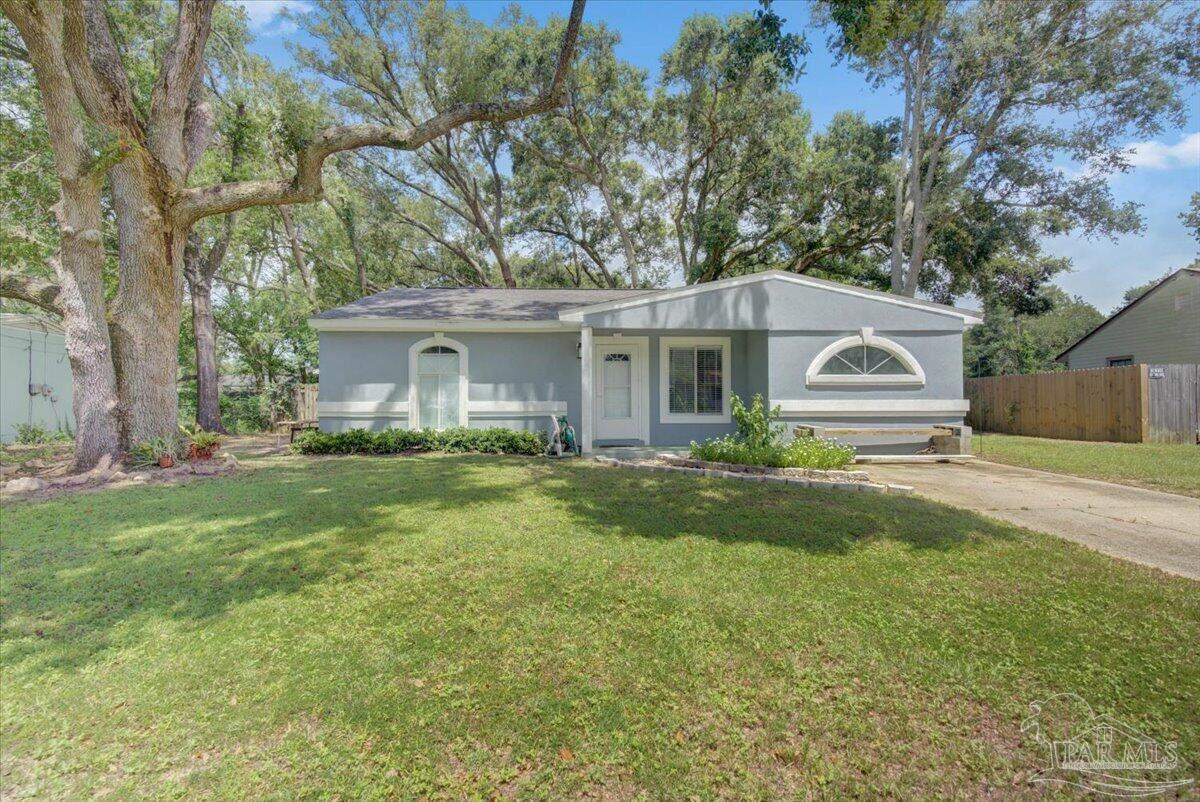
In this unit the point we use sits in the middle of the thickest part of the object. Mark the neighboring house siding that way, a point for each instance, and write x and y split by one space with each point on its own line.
1161 328
33 356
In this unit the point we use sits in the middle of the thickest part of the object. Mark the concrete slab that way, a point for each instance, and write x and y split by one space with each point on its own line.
1146 526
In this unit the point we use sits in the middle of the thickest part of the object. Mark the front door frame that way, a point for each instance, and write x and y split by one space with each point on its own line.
640 396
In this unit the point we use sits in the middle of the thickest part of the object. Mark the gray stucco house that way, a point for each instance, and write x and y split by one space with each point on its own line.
648 366
1160 327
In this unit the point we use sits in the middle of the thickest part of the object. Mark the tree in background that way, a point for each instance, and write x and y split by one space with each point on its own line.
1027 343
993 91
578 172
730 144
1191 217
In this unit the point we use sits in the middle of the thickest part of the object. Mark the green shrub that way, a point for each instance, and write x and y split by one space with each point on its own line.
198 437
759 441
396 441
147 453
31 434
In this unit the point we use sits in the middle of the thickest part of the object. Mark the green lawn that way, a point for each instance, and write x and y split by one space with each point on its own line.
1174 468
467 626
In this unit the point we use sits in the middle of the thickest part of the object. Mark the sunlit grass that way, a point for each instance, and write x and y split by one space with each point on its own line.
471 625
1172 467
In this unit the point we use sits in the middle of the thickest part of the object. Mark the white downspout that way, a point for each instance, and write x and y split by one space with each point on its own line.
585 368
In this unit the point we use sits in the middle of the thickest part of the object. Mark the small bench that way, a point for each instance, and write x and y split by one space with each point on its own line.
294 426
945 439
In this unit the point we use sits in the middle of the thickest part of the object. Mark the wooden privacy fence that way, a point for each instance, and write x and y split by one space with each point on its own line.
1130 404
304 401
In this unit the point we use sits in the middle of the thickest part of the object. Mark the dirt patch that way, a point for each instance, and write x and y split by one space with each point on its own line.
43 459
57 481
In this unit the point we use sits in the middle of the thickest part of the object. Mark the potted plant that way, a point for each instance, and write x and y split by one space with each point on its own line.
160 451
201 444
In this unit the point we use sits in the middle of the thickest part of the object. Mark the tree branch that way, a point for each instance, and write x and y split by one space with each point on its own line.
176 90
305 186
31 289
96 70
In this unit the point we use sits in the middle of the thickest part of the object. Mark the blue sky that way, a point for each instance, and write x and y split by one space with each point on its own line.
1166 171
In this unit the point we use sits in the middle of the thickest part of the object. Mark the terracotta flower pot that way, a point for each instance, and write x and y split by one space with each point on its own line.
166 461
195 452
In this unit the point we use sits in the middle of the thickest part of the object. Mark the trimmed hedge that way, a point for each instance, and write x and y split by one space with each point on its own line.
394 441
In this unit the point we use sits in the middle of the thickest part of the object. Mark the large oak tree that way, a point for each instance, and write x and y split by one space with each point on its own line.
124 353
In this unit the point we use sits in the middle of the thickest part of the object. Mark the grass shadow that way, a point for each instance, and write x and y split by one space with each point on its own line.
80 568
666 505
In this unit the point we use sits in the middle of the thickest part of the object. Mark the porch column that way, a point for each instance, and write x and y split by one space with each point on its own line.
585 367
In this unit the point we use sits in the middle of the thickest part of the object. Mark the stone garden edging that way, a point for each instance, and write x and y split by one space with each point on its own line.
800 477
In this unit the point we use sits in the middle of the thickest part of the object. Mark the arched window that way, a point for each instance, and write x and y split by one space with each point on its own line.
437 384
865 359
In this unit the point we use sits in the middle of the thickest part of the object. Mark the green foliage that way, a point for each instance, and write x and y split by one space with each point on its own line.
241 412
816 453
756 427
760 43
1191 216
147 453
1013 343
31 434
1133 293
199 438
759 441
494 440
996 93
730 145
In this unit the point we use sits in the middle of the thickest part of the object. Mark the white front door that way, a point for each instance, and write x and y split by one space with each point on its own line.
620 403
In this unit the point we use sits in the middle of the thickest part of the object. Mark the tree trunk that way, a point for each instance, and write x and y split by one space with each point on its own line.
147 310
916 258
289 227
898 198
81 275
626 240
78 212
502 260
204 326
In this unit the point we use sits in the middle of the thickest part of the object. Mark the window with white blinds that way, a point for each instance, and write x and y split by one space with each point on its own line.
696 378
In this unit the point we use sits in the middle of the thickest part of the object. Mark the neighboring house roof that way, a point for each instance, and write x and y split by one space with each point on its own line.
1189 269
473 303
531 305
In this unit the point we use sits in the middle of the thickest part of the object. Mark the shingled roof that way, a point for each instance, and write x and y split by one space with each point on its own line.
474 303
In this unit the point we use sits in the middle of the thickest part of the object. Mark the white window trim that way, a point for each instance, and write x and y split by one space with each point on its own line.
664 391
415 349
641 401
866 336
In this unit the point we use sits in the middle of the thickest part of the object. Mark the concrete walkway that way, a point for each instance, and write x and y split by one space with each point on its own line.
1157 529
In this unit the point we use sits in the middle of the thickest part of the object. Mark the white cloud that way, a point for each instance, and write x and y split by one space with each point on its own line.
264 14
1160 156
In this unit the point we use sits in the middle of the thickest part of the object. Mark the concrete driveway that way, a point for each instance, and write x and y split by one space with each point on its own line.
1157 529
